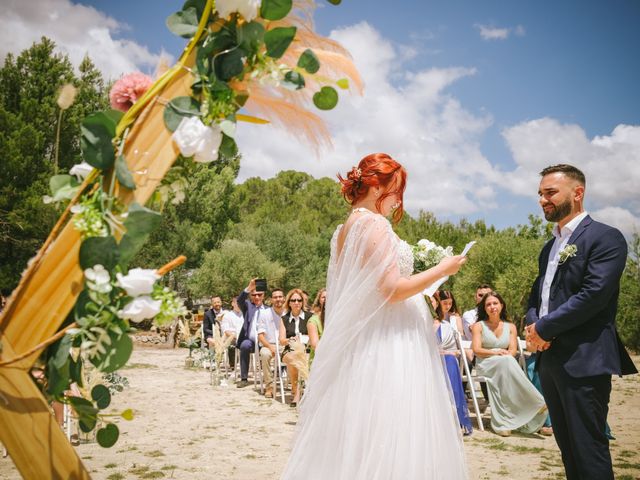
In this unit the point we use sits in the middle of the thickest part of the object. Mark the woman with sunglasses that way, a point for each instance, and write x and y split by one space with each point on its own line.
377 404
292 329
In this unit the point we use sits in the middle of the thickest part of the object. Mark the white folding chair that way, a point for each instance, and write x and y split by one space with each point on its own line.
468 377
523 353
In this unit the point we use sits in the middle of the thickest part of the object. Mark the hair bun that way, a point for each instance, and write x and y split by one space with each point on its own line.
355 174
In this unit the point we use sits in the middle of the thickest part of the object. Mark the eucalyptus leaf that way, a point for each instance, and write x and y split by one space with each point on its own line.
309 61
230 64
75 371
101 396
57 377
335 2
250 35
197 4
97 132
184 23
326 98
179 108
278 40
116 356
140 223
63 187
108 436
61 354
87 413
127 414
228 147
275 9
99 251
295 79
123 174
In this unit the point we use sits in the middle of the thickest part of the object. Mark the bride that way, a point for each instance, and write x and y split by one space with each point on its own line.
377 404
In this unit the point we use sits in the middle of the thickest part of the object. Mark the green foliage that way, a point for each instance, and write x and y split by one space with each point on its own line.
275 9
326 98
29 85
309 61
628 320
227 270
277 40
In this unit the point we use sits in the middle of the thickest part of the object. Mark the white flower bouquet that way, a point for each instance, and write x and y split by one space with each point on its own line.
427 254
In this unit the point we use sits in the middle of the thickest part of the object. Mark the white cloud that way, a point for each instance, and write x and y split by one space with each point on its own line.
611 163
77 30
622 219
415 120
488 32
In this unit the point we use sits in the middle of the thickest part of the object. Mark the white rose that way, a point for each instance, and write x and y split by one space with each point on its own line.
81 170
194 138
139 281
247 8
141 308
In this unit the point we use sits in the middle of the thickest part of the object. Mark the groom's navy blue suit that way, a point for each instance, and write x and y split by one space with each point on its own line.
575 372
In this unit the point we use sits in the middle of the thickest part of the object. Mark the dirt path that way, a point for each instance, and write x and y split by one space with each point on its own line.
186 429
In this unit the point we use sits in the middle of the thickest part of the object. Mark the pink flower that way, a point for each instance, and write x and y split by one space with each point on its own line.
128 89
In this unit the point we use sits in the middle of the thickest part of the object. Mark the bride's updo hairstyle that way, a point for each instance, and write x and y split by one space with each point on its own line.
375 170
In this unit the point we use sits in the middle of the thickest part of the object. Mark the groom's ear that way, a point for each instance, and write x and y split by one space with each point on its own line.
578 192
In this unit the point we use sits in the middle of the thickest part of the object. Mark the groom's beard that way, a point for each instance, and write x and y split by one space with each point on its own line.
558 212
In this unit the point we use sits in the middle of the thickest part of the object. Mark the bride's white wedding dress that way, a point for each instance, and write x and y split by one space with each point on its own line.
377 405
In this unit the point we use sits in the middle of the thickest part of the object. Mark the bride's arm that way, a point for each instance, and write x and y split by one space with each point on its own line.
408 287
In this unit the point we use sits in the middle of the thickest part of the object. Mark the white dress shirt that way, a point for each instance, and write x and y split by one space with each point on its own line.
562 238
232 322
270 326
468 318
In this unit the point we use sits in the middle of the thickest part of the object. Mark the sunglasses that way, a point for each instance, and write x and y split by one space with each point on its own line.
257 294
295 300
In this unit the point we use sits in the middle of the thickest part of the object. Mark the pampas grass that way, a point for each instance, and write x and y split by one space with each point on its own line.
298 360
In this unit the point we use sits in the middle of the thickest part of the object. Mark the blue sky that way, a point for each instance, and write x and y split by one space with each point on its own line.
513 86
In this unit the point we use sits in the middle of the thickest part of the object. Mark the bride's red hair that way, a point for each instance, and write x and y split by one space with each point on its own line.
375 170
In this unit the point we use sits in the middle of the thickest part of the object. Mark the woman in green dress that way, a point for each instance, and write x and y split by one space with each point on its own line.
315 326
515 402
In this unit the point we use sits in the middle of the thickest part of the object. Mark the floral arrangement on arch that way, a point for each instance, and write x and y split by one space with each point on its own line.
256 61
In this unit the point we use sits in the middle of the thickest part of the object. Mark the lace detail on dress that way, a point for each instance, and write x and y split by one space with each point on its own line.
405 258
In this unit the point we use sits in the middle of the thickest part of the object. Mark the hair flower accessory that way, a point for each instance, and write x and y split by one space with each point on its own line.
567 252
356 173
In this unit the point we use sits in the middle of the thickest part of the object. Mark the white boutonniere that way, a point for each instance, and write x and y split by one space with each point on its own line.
567 252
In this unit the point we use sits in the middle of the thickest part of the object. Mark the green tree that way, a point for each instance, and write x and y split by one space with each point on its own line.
29 86
628 319
227 270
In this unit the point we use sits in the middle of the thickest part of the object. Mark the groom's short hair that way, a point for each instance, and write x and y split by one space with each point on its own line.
568 170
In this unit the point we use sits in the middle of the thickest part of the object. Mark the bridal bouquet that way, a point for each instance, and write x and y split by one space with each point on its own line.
427 254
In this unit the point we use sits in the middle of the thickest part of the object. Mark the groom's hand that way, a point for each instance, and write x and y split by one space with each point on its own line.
536 340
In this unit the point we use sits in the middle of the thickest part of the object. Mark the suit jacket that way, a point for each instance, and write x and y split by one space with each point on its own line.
583 301
208 323
248 312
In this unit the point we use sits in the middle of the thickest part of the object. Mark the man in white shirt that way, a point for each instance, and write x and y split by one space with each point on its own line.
471 316
268 333
231 325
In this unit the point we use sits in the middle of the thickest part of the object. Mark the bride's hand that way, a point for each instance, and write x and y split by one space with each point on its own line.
451 265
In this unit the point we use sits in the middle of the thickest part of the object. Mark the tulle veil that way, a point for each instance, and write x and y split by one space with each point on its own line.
376 404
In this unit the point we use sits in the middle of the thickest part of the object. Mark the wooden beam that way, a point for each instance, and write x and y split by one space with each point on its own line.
28 430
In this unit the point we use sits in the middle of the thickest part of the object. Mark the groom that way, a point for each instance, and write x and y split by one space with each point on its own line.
571 321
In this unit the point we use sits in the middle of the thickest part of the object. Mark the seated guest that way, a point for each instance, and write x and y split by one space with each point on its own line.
447 309
231 325
471 316
447 312
515 402
318 303
294 325
449 350
212 317
315 327
268 334
251 304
